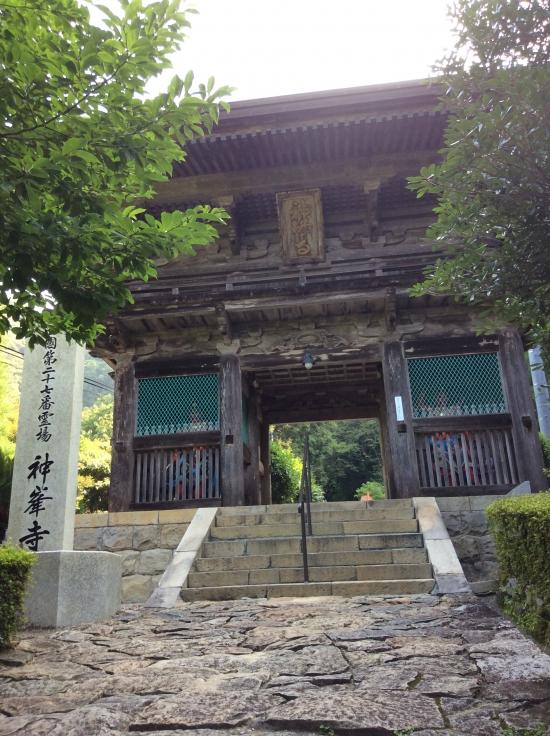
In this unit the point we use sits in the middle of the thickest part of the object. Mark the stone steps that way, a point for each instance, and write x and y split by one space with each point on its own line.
316 574
302 590
256 552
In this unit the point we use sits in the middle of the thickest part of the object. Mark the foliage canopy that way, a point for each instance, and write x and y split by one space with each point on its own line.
79 146
493 184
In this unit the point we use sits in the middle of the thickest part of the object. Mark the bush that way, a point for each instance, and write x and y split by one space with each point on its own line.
376 490
286 472
15 568
94 468
545 444
520 527
6 472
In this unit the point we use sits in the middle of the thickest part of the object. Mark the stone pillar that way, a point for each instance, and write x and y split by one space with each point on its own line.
265 457
231 431
399 427
124 427
67 587
540 384
527 447
45 468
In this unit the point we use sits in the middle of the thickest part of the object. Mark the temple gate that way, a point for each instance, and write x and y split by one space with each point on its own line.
301 312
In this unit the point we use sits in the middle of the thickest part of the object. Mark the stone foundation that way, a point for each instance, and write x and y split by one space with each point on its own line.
466 522
145 540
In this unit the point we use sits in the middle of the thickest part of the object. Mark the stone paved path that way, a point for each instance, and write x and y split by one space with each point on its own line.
369 665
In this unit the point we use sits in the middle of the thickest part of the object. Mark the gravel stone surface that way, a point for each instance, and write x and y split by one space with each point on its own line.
432 666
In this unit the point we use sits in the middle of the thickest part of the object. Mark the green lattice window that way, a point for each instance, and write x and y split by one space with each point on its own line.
455 385
180 404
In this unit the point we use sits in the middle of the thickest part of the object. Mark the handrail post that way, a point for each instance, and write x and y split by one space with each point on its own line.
301 511
307 468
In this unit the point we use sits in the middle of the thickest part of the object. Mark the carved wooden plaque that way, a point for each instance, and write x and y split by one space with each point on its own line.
301 225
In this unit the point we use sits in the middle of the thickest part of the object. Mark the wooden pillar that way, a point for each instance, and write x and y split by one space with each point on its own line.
231 430
400 433
265 456
124 426
252 471
521 406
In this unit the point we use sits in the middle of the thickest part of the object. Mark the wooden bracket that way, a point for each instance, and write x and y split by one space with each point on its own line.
233 229
371 212
224 325
391 309
117 333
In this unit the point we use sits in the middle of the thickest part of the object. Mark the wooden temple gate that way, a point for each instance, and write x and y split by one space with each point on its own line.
323 244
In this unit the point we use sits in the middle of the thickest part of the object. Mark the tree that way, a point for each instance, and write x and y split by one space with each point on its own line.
80 146
94 459
343 454
493 183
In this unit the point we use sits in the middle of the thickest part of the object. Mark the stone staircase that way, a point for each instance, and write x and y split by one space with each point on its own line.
256 552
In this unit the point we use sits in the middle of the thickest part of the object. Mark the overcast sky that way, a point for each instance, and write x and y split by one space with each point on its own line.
267 47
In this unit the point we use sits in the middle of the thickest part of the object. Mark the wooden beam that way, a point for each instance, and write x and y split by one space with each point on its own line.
520 402
179 440
455 491
468 422
434 346
231 429
362 171
265 454
391 309
124 423
224 324
323 415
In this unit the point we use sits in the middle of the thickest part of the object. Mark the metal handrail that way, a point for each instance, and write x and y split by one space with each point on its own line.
305 510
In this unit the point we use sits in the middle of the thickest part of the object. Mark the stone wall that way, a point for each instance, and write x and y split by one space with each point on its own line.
145 540
466 522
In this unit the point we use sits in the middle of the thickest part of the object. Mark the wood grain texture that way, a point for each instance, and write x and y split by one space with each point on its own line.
520 404
231 429
402 447
124 423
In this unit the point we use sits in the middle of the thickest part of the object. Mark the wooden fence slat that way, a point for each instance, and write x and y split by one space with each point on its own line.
511 458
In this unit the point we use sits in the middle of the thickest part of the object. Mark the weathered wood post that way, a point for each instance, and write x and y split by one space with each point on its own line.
124 427
520 405
265 456
253 492
402 453
231 431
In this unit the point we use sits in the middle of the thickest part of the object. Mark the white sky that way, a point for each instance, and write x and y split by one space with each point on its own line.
276 47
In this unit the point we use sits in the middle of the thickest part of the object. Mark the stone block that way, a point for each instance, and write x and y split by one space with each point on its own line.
382 587
218 564
176 516
90 521
130 560
443 557
393 572
455 522
298 590
390 541
133 518
487 549
154 561
226 593
172 534
452 503
255 532
89 539
477 523
291 575
273 546
136 588
71 587
330 544
467 548
407 556
479 503
116 538
327 527
394 526
328 574
224 549
217 579
364 557
146 537
262 577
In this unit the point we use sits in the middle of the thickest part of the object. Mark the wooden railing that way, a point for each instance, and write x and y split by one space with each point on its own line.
462 456
174 469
